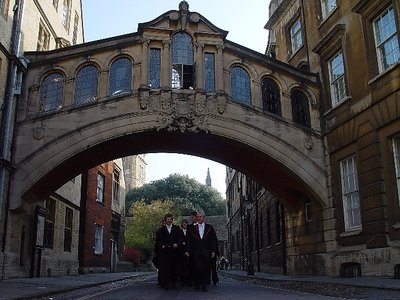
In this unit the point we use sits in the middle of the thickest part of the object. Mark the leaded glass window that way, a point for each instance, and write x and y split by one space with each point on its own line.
51 92
86 84
240 85
209 72
386 39
155 67
120 76
350 194
336 77
271 96
300 108
183 68
396 157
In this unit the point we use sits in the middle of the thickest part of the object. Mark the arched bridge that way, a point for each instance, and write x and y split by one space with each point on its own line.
177 85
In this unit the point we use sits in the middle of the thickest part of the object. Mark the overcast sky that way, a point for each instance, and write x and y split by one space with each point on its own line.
244 20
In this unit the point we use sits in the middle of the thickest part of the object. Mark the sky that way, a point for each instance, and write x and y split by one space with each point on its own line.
245 23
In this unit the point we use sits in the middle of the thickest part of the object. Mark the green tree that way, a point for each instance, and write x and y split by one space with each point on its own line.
186 193
143 223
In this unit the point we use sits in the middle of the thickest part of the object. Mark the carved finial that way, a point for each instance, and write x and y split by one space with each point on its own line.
184 6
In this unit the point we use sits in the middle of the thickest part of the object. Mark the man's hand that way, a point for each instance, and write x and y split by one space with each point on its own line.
175 245
187 254
213 254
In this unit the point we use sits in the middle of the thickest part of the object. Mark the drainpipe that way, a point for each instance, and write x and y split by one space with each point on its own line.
305 34
9 119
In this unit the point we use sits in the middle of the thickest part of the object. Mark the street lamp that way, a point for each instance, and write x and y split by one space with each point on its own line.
248 203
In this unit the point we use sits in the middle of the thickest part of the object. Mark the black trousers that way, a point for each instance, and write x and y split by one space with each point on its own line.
202 270
167 267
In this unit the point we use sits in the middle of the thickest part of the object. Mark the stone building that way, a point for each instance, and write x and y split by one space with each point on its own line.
354 48
134 170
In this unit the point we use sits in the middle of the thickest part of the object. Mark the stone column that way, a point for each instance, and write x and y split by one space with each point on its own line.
69 91
199 66
166 65
220 68
103 88
145 63
286 106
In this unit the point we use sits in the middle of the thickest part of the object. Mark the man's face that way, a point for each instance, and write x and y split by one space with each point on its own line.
200 219
184 225
193 218
168 221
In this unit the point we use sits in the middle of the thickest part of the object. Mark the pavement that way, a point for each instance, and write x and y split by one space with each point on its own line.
33 288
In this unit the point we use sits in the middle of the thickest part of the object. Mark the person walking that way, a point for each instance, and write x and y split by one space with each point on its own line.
167 243
202 248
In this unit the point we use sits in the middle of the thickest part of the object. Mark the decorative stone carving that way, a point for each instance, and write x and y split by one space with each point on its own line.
144 98
194 17
38 132
174 15
308 143
221 103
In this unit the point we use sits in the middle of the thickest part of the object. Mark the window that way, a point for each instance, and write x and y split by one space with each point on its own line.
155 67
295 36
386 39
4 5
350 194
99 236
183 68
100 188
43 38
336 78
271 96
327 6
209 72
115 187
308 212
55 4
300 109
396 157
278 211
75 31
269 238
68 229
120 76
240 85
51 92
86 85
48 238
66 12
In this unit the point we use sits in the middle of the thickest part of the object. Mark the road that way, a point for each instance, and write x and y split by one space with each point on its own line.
147 289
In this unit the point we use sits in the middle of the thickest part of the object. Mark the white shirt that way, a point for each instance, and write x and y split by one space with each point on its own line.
169 228
184 231
201 230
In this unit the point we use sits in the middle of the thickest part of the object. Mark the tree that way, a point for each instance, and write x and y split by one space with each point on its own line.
185 193
144 221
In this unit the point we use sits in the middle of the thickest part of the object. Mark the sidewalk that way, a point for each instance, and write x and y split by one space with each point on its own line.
366 282
31 288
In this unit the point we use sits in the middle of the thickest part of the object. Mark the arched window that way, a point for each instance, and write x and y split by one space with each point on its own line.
240 85
300 108
86 84
182 61
271 96
120 76
51 92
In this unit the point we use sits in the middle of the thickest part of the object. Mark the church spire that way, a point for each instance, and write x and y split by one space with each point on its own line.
208 179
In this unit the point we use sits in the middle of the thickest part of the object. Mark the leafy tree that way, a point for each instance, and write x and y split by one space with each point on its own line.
185 193
144 221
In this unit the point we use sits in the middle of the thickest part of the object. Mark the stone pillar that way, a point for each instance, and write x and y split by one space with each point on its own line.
145 63
286 106
199 66
103 88
166 65
220 69
69 91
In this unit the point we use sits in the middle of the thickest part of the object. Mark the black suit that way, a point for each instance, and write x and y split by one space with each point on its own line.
201 250
168 255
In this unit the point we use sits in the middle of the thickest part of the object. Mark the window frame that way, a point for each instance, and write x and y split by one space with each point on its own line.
66 14
50 220
341 80
325 11
378 49
47 106
100 186
43 40
240 96
266 97
300 117
99 240
155 61
91 93
209 73
396 160
116 175
118 89
347 193
293 36
68 224
183 63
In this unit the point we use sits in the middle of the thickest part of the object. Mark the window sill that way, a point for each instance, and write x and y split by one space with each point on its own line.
293 54
340 103
351 233
396 226
324 20
383 73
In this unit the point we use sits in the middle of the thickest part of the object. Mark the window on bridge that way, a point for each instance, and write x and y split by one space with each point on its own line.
86 84
120 76
271 96
155 67
51 92
209 72
183 66
240 85
300 108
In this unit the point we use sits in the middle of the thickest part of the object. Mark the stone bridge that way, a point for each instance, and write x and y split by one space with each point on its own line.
176 85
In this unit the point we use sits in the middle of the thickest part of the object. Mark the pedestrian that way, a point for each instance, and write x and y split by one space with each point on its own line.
167 243
156 260
202 248
214 273
185 266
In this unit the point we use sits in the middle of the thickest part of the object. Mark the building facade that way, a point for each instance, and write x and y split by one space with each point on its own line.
134 170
